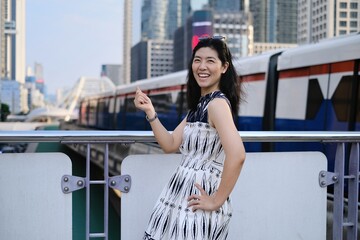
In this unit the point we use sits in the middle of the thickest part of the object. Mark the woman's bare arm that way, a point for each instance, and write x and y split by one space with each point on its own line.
169 142
220 117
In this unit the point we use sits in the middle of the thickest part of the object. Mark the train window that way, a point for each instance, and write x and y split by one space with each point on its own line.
118 104
342 99
162 102
314 99
111 105
101 105
129 104
181 99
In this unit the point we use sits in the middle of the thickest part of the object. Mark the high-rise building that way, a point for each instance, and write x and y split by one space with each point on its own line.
183 46
35 95
15 95
114 72
236 26
275 21
2 40
151 58
12 40
38 71
238 29
160 18
226 5
139 58
127 41
318 19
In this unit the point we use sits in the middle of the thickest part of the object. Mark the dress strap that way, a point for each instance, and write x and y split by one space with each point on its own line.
201 114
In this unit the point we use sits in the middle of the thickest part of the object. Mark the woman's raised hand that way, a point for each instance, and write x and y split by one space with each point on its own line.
143 102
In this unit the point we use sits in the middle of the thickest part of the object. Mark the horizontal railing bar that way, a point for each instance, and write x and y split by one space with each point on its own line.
97 182
147 136
349 177
348 224
97 141
97 235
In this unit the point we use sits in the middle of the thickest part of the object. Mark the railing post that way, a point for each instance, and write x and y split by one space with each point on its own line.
106 191
339 192
353 192
88 150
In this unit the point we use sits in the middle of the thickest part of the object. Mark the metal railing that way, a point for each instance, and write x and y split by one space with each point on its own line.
341 224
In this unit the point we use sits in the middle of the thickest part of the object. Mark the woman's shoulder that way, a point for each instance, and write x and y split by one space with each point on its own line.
219 95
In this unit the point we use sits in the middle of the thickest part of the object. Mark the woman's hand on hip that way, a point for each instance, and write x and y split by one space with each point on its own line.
202 201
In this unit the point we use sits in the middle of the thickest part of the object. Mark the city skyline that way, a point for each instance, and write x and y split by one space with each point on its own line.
73 39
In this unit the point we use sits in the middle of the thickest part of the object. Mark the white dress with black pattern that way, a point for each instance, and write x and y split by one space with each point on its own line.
202 162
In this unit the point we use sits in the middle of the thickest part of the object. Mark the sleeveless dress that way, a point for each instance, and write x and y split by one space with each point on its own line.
202 162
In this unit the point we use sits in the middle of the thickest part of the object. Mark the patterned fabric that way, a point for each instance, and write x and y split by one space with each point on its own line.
202 162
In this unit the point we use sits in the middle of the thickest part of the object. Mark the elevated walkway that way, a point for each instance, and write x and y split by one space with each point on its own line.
281 195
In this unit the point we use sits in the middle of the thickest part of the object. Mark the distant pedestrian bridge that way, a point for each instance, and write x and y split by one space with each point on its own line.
68 106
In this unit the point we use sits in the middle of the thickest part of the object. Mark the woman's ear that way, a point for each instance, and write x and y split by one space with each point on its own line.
225 66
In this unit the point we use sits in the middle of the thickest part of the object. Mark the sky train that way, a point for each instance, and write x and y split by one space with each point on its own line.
313 87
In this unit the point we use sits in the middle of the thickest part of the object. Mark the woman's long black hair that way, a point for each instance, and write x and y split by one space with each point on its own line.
229 82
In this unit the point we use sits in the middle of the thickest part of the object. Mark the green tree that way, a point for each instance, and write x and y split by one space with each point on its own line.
4 112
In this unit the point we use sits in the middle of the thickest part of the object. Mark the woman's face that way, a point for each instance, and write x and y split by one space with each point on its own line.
207 69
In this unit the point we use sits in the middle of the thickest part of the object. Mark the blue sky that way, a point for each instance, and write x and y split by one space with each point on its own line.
74 38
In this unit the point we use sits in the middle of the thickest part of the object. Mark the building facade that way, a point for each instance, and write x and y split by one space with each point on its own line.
12 41
235 26
320 19
127 42
226 5
151 58
15 95
35 98
114 72
139 58
238 29
265 47
275 21
160 18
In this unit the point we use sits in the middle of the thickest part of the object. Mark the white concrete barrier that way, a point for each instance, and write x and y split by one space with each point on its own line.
32 204
277 196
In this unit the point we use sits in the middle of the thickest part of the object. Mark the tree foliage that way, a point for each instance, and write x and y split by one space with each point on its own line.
5 111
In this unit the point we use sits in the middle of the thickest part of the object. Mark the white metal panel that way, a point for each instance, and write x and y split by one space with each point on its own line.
291 99
328 51
254 64
33 205
254 99
172 79
323 80
277 195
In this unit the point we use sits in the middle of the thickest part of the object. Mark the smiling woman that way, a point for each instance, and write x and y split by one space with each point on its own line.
74 38
195 204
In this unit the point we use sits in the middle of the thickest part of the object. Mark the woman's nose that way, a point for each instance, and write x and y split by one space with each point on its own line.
202 65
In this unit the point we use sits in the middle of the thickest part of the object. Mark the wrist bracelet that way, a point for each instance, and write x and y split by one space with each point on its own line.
151 119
